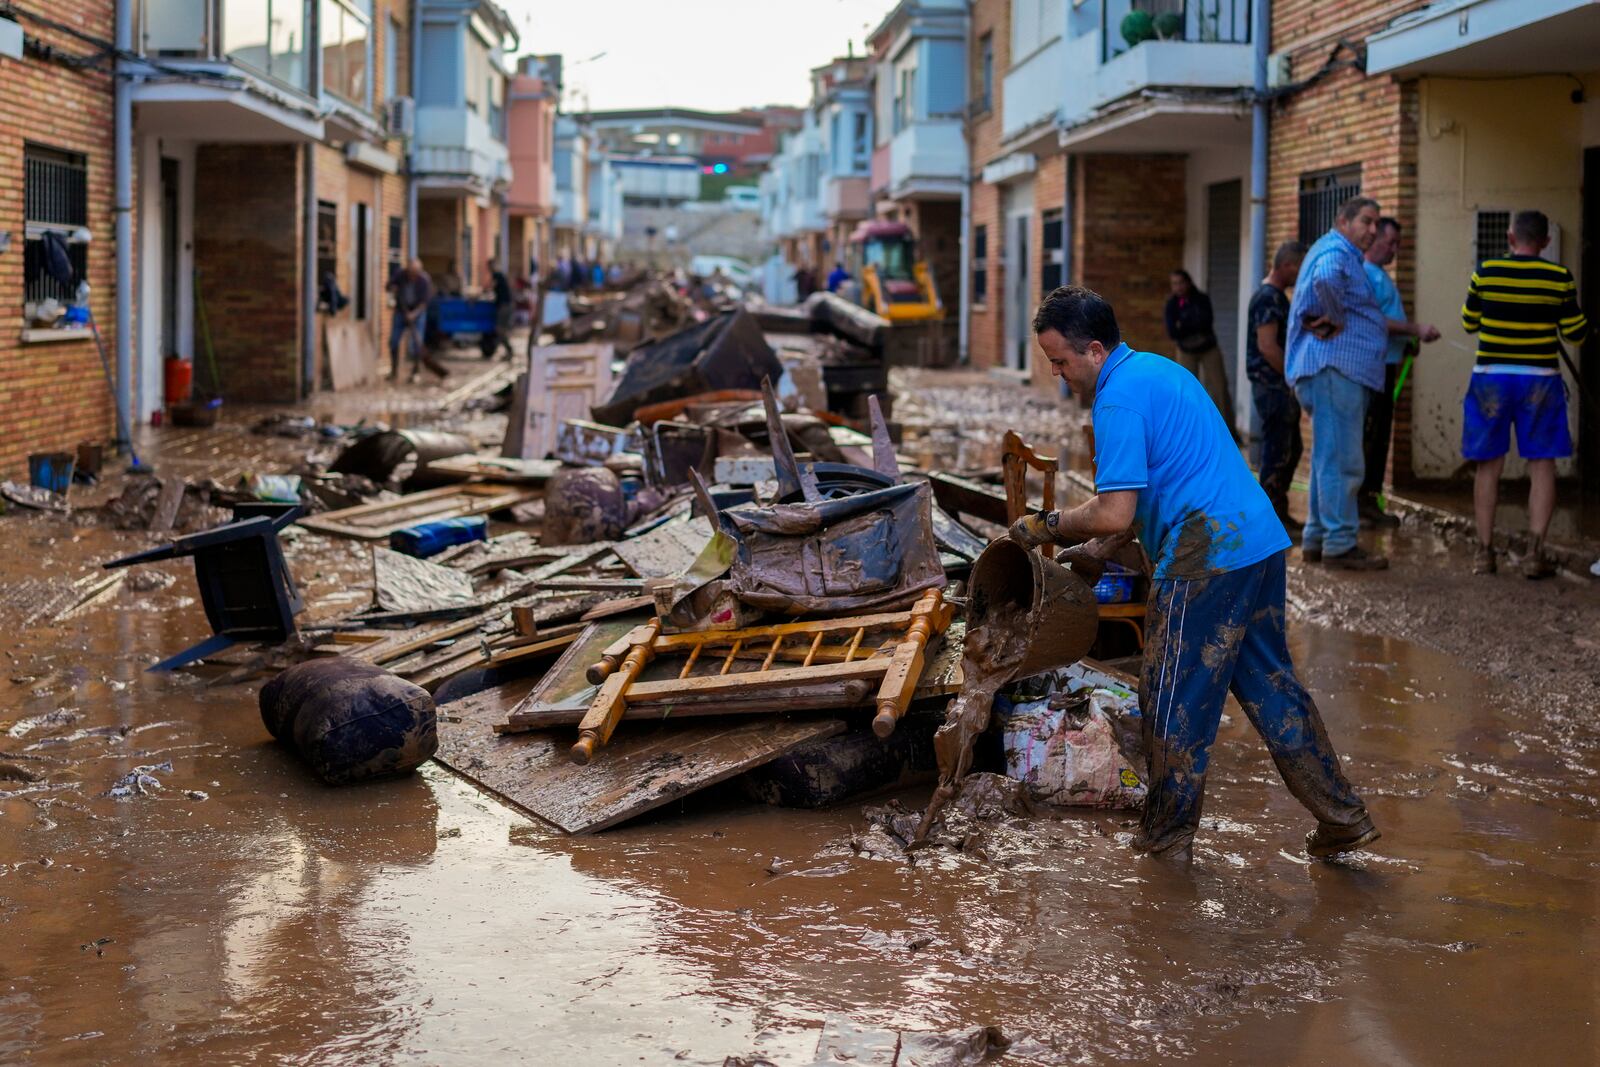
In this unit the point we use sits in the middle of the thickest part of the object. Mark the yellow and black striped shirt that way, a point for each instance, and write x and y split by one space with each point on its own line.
1520 307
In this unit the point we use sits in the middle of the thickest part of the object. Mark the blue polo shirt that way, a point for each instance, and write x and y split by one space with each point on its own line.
1200 512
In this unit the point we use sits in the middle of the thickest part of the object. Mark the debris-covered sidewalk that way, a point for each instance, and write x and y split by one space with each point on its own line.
681 604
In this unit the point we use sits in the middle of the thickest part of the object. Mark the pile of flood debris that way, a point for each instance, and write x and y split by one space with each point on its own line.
694 556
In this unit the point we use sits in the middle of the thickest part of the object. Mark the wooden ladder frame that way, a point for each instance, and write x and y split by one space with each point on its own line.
896 665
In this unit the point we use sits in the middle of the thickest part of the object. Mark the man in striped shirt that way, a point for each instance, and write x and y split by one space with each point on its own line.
1520 306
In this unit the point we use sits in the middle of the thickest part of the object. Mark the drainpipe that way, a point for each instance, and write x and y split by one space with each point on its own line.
964 294
505 236
123 212
411 146
1261 37
309 280
308 255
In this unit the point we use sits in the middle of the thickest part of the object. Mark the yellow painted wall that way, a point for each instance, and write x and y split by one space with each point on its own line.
1489 145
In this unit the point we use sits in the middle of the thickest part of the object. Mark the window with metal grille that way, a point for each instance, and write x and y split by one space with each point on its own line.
55 195
395 255
1491 237
1052 252
1321 193
980 264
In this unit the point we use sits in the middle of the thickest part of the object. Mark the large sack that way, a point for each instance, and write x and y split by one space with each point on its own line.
351 721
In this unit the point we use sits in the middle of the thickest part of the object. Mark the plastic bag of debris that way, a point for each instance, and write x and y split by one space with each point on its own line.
1063 745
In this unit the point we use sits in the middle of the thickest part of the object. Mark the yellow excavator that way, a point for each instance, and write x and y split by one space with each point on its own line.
894 282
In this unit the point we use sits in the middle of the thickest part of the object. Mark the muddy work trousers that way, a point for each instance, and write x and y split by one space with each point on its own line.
1205 638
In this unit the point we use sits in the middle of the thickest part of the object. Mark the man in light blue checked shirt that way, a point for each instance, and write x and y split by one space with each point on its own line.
1338 337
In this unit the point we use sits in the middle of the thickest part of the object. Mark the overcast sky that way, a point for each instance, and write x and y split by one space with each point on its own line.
716 55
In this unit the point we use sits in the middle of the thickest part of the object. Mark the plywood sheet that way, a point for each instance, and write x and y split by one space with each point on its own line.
352 353
667 551
404 583
492 468
644 767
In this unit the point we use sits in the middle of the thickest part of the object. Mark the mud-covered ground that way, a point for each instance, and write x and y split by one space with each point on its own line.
226 908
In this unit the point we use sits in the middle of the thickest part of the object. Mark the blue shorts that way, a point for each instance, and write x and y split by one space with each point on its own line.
1537 404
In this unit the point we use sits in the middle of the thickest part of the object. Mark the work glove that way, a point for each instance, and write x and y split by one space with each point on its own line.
1034 530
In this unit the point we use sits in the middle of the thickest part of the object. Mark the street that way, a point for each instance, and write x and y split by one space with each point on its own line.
241 911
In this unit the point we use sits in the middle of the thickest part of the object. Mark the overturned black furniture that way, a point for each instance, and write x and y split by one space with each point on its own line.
244 582
725 352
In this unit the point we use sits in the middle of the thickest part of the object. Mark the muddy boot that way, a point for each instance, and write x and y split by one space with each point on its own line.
1483 559
1329 840
1356 559
1373 517
1536 565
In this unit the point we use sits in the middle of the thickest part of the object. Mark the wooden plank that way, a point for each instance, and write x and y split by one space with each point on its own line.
758 681
667 551
624 606
532 651
167 504
375 522
644 768
403 644
828 697
482 385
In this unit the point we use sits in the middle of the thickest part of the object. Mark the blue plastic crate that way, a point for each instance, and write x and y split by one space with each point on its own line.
1115 585
456 314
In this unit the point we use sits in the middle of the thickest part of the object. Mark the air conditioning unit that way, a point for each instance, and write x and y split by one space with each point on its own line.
400 117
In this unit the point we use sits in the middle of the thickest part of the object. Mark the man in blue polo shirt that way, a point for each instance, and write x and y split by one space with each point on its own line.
1337 339
1164 460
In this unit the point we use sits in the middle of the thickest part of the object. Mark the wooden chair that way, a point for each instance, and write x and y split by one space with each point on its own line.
1016 459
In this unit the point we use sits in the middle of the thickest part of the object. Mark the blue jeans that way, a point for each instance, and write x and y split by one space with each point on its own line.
402 332
1338 409
1205 638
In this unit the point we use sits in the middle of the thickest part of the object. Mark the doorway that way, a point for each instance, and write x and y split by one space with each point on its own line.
1018 206
170 245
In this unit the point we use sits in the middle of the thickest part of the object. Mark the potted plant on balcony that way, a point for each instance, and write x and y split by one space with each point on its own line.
1138 27
1169 26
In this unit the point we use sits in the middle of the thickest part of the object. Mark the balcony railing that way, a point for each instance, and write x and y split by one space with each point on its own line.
1126 24
268 36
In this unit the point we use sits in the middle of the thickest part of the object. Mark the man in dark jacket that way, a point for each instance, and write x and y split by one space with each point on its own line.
1188 315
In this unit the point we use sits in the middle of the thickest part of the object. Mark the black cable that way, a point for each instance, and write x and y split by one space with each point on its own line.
108 50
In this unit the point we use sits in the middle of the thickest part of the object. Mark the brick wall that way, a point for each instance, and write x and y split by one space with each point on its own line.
1127 232
247 232
1346 118
986 321
55 394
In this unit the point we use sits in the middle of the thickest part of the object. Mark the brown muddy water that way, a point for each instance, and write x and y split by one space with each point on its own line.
240 912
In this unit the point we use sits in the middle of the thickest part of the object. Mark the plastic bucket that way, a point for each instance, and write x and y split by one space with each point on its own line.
177 374
1056 607
51 470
